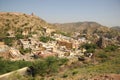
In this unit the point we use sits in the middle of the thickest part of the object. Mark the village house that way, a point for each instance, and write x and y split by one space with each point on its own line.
68 45
15 54
48 31
49 46
24 43
29 43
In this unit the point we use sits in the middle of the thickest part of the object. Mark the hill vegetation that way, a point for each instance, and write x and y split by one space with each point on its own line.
17 23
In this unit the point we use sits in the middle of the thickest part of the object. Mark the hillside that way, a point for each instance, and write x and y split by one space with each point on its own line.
12 22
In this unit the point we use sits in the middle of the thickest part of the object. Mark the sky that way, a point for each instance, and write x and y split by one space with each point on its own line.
105 12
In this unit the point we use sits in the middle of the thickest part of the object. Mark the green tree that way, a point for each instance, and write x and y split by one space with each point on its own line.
89 47
40 68
45 39
47 66
52 64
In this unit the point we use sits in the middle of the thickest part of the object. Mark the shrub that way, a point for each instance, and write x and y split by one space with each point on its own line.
90 50
19 36
8 41
74 72
46 67
89 47
7 66
40 68
104 57
65 76
19 30
65 34
110 48
52 64
23 51
63 61
45 39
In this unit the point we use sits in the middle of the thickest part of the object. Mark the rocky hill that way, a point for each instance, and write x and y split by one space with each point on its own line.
13 22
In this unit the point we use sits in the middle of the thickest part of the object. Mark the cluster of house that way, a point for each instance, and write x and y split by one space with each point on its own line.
62 47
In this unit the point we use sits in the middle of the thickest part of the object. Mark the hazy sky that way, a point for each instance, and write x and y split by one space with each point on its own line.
105 12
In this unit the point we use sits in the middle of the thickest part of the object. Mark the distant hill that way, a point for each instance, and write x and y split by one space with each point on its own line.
86 27
116 28
90 27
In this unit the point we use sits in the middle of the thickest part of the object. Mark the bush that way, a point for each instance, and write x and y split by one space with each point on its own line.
110 48
40 67
65 34
19 36
90 50
8 41
63 61
104 57
89 47
45 39
74 72
7 66
52 64
23 51
65 76
46 67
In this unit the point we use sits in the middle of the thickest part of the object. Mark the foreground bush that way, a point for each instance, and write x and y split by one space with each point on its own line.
8 66
43 67
110 48
48 66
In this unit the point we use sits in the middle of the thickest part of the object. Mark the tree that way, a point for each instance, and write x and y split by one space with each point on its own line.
89 47
40 68
47 66
52 64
